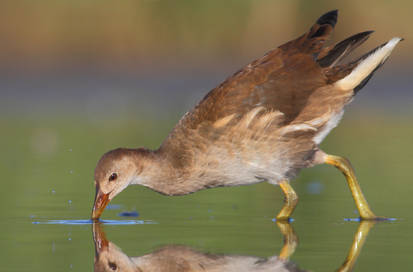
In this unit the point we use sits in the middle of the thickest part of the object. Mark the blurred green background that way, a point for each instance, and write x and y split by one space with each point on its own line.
78 78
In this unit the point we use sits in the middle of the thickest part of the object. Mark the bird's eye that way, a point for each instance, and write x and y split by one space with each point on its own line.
113 177
112 266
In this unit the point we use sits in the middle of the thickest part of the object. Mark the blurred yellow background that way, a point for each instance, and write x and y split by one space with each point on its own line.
46 33
102 57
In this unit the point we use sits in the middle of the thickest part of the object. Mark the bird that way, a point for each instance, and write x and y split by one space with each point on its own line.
109 257
264 123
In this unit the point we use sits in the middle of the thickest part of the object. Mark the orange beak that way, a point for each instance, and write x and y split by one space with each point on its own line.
101 201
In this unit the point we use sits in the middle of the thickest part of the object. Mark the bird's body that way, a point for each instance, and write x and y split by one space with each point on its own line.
264 123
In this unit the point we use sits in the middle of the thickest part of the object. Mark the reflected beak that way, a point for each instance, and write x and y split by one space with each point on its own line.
99 237
101 201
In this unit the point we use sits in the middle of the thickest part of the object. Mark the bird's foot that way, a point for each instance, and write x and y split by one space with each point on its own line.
283 219
373 219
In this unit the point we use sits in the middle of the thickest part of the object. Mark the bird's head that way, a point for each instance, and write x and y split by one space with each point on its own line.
114 172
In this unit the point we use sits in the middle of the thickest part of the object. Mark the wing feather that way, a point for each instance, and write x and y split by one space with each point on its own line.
284 95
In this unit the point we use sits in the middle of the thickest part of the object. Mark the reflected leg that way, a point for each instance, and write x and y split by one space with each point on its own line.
290 240
358 242
345 167
290 201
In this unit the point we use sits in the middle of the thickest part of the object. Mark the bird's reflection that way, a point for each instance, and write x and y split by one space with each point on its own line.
173 258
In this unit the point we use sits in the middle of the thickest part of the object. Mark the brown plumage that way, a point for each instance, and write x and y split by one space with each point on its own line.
264 123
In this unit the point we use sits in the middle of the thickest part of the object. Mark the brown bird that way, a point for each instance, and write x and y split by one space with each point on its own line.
264 123
179 258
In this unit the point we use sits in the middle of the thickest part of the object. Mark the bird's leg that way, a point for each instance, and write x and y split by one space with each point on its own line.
290 201
345 167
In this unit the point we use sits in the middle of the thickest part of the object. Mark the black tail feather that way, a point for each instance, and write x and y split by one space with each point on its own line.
329 18
313 41
325 23
343 48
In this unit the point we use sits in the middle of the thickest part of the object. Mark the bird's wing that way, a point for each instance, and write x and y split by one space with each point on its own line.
268 97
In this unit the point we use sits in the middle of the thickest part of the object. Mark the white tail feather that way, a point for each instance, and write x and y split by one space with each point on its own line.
367 66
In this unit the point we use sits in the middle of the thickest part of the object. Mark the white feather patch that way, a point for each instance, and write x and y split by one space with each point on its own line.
223 121
332 123
367 66
247 119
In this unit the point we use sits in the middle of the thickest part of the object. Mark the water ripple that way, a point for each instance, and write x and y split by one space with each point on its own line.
88 222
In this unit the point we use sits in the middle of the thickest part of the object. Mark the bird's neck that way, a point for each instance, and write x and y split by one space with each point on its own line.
160 173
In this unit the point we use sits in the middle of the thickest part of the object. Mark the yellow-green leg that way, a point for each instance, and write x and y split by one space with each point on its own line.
358 242
290 201
345 167
290 240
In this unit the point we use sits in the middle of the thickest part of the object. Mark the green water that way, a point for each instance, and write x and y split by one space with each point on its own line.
47 174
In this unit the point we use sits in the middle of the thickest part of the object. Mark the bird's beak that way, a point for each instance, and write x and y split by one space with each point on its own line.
101 200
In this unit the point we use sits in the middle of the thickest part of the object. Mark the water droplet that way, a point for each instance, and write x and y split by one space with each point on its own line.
113 207
53 191
70 239
69 201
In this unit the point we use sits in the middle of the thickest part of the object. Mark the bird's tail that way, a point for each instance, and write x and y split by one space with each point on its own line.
348 76
331 56
313 41
358 73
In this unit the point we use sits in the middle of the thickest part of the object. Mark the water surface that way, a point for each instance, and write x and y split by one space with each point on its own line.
48 194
